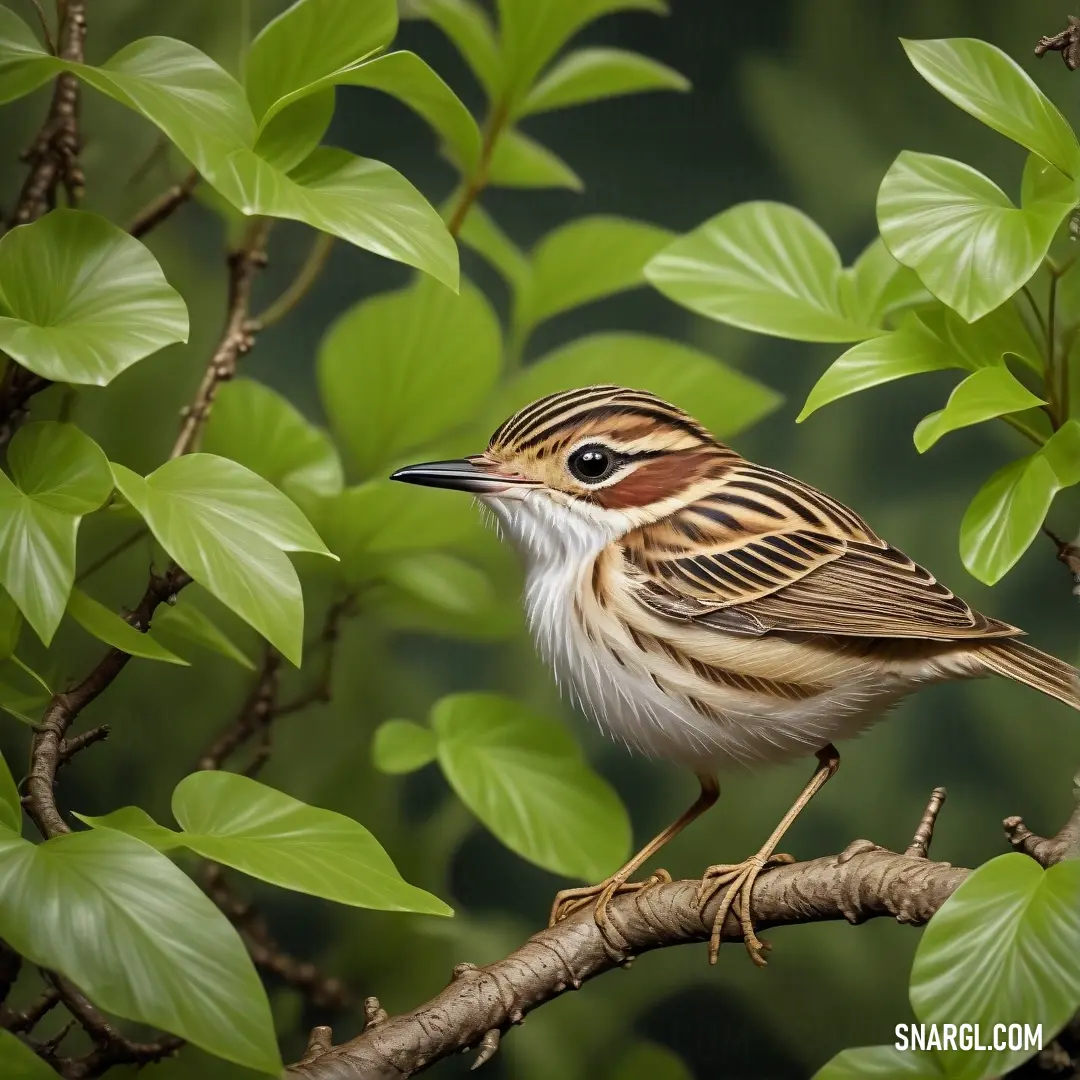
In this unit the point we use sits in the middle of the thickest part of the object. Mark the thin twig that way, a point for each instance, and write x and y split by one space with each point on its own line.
29 1018
1053 391
237 338
919 847
299 287
106 558
325 991
164 205
1030 297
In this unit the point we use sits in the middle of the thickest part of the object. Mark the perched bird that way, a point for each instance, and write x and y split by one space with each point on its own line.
711 611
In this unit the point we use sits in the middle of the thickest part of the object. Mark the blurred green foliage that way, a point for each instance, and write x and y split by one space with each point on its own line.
809 104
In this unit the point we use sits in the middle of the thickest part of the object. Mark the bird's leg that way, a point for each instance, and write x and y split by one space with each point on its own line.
570 900
740 877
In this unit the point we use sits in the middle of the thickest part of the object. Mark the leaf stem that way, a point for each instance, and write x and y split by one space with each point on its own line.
1035 308
1052 379
1025 429
478 179
301 285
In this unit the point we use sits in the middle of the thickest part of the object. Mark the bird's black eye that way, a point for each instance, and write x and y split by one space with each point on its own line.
591 464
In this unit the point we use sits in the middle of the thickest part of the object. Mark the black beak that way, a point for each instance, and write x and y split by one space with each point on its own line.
459 475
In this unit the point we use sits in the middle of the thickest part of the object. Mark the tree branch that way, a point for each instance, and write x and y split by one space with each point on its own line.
237 338
162 207
863 882
53 156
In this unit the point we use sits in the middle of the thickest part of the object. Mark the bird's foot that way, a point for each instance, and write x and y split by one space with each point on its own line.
570 900
738 879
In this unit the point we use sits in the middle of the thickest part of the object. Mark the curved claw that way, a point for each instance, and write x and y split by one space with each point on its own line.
739 879
569 901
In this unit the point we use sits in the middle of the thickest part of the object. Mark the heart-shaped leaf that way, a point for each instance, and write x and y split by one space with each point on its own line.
229 529
402 368
81 300
582 261
295 52
241 823
522 775
400 746
60 474
1002 949
468 26
264 432
991 86
173 960
960 233
762 266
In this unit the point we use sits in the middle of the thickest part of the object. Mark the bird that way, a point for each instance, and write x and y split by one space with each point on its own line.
714 612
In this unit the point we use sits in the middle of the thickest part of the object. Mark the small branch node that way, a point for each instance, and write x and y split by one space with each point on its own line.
919 848
489 1047
374 1013
1066 42
464 970
320 1041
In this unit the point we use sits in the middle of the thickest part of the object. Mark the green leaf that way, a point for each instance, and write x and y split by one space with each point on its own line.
1062 453
173 960
880 1063
1005 517
650 1061
521 162
368 524
185 622
136 822
21 70
910 350
19 1062
481 232
229 529
991 86
402 368
402 746
264 432
237 821
105 625
877 286
179 89
10 624
467 25
532 33
60 475
585 260
960 233
357 199
983 395
310 42
23 692
522 775
10 804
724 400
1002 949
592 74
294 132
761 266
203 110
407 77
81 300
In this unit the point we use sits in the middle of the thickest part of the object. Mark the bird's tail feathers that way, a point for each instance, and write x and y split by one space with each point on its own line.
1039 670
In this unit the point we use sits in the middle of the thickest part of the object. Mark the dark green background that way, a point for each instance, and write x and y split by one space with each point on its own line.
806 102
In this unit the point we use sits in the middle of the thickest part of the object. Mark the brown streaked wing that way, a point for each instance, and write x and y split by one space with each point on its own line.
764 552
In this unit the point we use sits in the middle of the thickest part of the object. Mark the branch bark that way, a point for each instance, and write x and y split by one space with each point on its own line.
863 882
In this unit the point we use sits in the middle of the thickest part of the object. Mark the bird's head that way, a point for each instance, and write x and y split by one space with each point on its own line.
602 455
